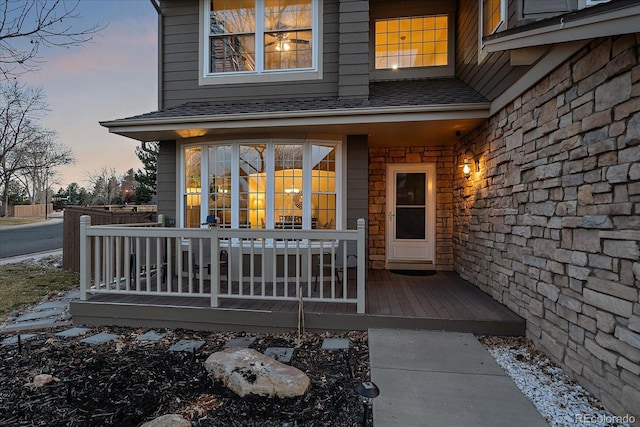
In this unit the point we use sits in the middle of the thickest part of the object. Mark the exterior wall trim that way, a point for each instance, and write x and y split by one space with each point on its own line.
621 21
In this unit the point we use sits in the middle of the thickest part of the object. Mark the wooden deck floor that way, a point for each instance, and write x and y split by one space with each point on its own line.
442 301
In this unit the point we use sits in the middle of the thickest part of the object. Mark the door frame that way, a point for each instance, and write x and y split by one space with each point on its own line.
428 262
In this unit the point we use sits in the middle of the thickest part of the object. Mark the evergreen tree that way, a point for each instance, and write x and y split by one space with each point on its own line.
147 178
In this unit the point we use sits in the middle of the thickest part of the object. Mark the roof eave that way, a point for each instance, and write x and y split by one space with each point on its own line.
147 129
615 22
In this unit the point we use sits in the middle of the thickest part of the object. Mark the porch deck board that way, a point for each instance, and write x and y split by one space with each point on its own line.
442 301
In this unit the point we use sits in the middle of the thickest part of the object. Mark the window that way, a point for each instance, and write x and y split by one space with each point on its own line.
286 184
418 41
493 15
258 37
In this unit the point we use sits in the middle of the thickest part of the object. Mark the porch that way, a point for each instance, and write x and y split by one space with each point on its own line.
263 280
442 301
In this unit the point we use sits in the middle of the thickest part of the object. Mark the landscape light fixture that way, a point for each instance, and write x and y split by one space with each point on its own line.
367 391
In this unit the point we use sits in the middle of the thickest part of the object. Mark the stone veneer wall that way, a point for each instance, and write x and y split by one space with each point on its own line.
550 225
442 156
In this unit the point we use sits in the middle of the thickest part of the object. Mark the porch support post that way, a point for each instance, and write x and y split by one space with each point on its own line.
361 266
85 256
214 261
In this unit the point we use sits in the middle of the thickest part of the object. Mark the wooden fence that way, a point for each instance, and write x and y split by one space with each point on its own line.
99 216
26 211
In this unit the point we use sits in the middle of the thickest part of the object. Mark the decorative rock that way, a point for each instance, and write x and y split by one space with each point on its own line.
169 420
246 371
42 379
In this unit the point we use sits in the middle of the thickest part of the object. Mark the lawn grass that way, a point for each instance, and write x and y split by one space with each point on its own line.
19 221
24 284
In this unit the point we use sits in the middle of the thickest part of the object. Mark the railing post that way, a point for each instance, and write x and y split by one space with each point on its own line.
215 266
361 267
85 256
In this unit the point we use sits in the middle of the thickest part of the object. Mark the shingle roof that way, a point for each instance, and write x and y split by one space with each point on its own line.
400 93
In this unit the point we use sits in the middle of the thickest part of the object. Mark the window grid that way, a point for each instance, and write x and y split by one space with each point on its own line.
491 15
274 184
260 35
412 42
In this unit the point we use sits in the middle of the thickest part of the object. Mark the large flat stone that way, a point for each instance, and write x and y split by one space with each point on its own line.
333 344
246 371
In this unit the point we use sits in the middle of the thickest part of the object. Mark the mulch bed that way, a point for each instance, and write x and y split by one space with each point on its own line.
127 382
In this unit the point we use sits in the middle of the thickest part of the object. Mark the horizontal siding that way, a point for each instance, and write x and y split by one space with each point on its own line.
495 74
180 61
167 175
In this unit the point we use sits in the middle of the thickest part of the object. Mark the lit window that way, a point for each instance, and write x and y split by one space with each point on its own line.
412 42
260 35
262 184
492 15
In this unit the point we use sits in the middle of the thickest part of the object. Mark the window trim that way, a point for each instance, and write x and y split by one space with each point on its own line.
263 76
418 72
271 142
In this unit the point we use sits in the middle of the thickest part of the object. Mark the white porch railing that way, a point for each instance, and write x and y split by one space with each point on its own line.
284 265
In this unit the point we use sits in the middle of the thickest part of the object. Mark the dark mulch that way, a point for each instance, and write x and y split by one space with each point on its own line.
127 382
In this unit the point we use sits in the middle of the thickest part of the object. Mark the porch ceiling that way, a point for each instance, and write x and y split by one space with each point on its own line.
397 126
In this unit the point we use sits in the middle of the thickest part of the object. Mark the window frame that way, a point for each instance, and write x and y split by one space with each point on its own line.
205 77
270 209
482 54
384 12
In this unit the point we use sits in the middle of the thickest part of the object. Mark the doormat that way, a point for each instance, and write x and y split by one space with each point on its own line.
414 272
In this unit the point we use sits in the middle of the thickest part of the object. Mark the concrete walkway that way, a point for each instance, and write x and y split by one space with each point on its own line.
442 379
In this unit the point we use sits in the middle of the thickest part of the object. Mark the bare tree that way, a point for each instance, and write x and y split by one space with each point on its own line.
40 163
26 26
20 109
106 187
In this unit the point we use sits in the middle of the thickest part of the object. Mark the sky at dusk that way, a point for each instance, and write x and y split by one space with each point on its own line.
111 77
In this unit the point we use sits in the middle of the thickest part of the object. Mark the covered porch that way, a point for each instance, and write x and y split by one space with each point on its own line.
267 280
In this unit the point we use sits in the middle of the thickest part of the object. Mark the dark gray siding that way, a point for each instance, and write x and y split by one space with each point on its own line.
495 74
357 179
180 60
354 49
167 176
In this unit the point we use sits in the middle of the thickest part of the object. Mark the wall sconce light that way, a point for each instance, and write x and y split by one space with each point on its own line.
466 171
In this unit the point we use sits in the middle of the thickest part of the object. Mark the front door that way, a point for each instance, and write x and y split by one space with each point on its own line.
411 215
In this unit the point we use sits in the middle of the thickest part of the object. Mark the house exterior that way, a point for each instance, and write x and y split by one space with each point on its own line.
497 139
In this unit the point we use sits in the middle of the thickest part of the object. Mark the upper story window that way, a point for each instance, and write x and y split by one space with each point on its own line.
493 15
411 39
255 38
417 41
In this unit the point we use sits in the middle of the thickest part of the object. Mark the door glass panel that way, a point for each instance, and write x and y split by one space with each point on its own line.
410 206
192 190
253 185
220 184
288 189
323 187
